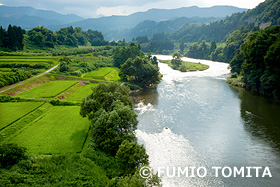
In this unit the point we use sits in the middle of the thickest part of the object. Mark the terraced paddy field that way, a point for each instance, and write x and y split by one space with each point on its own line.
10 112
31 60
48 90
60 129
81 93
104 74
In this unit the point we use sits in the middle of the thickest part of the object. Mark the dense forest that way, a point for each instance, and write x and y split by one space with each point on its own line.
256 62
15 38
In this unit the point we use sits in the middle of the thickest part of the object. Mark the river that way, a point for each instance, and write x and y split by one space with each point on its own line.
195 119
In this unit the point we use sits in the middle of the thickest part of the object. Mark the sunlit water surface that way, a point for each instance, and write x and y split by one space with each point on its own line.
195 119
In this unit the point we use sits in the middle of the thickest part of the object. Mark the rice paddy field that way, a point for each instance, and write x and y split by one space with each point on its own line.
30 60
48 90
103 74
10 112
60 129
81 93
41 127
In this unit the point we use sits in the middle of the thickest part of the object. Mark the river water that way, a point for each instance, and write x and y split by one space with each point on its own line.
195 119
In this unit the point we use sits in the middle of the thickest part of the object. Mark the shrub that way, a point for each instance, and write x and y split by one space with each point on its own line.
11 154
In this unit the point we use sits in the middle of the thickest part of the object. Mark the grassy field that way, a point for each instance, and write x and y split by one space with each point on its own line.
48 90
105 73
81 93
60 130
186 66
10 112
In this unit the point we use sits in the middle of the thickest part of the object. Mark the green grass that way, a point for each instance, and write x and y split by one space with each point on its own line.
81 93
10 112
48 90
60 130
24 121
105 73
186 66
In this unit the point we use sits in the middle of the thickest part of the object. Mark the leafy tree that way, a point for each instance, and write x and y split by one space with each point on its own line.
102 97
131 156
122 54
63 66
109 108
258 61
110 129
182 46
11 154
176 61
213 46
96 38
140 71
42 37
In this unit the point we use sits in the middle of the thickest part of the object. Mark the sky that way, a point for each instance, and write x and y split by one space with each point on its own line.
97 8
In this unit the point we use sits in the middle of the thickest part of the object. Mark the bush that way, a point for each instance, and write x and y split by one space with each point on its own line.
11 154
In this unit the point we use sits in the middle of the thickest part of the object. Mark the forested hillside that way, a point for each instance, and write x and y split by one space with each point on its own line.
256 63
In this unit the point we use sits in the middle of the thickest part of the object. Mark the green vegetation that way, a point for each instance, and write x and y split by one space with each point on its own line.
10 154
11 112
256 63
186 66
140 71
48 90
22 122
99 148
60 130
43 38
136 69
81 93
18 68
57 170
103 74
12 39
109 108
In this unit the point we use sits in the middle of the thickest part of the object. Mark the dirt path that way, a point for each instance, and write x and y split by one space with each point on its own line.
21 82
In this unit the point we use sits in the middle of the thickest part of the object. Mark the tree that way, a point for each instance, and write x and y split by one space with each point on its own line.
213 46
122 54
182 47
131 156
63 66
140 71
11 154
176 61
111 128
102 97
109 108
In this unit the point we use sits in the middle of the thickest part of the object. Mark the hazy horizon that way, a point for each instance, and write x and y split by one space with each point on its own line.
98 8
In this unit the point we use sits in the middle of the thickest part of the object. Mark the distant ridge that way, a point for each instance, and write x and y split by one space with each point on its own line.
130 21
28 17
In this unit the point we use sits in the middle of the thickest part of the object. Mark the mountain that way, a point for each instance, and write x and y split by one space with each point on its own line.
130 21
149 28
193 11
28 17
264 15
119 23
